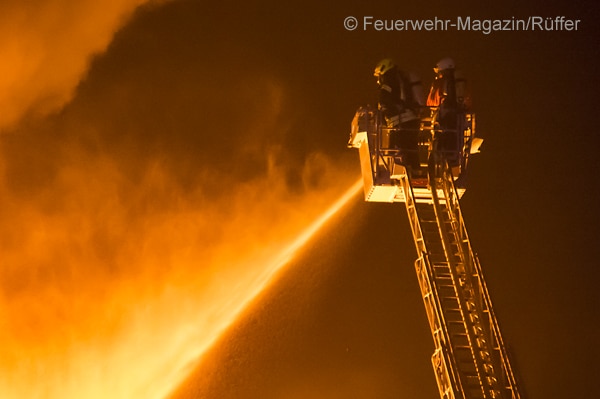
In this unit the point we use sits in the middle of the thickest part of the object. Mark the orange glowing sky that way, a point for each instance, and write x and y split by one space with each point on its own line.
98 304
116 275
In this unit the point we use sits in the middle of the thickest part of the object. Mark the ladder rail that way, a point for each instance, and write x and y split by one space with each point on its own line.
443 360
485 372
510 379
460 266
481 290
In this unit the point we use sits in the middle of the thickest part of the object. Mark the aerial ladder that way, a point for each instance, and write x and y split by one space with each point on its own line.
470 360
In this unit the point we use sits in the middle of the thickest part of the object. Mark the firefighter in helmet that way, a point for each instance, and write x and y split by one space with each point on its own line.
399 108
447 96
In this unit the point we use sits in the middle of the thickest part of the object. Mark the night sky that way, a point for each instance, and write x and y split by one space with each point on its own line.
221 94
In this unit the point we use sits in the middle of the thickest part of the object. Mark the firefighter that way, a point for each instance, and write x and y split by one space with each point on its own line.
448 96
399 102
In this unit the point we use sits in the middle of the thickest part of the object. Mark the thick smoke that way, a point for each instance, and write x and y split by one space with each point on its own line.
136 218
46 47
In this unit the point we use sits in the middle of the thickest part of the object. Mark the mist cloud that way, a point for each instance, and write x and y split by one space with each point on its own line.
136 219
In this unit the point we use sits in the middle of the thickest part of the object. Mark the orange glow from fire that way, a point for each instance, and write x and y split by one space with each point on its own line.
103 299
115 276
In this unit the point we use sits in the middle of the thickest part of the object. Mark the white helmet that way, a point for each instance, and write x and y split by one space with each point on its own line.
383 66
443 64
